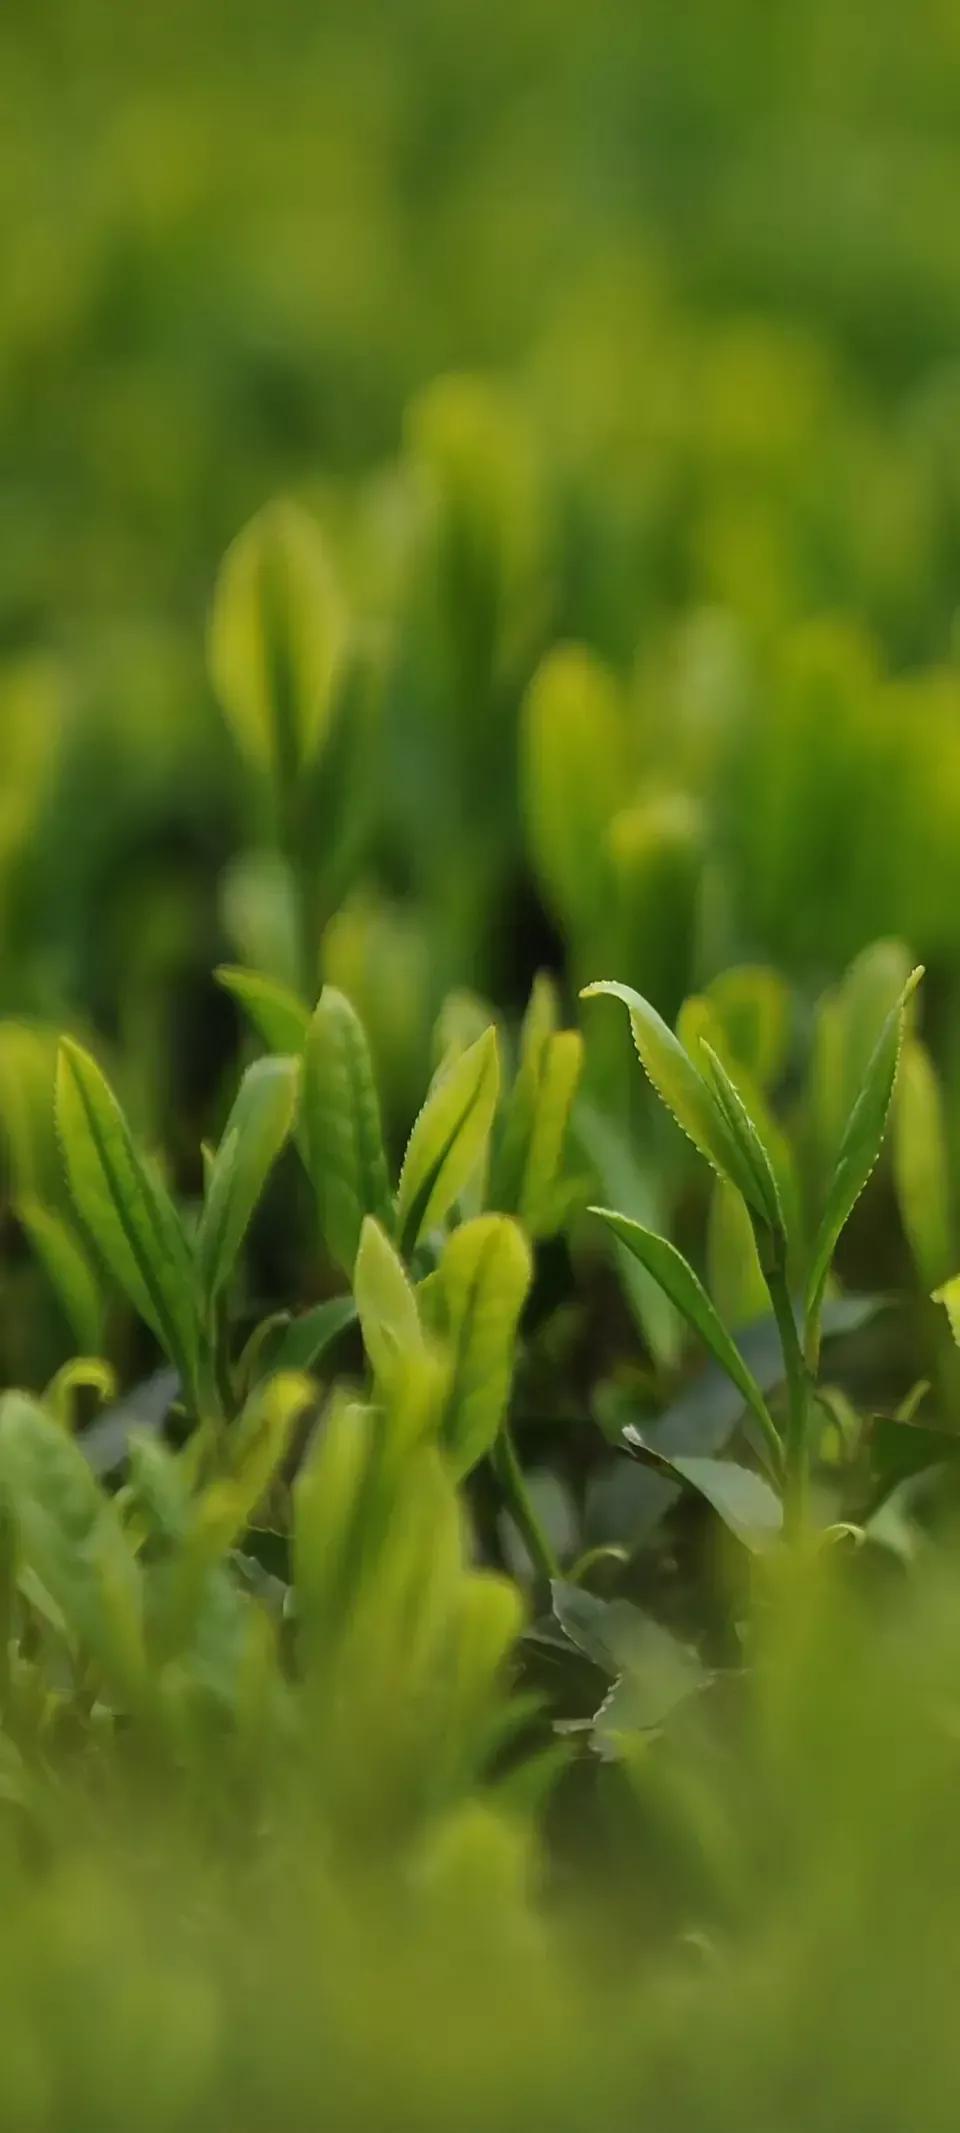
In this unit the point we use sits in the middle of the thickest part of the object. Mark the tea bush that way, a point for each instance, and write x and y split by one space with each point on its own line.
478 1470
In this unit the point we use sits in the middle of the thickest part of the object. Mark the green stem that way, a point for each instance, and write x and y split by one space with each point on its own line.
510 1475
797 1459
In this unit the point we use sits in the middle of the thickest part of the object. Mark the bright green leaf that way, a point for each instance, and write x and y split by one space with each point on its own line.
126 1209
483 1281
449 1138
342 1133
386 1304
275 1012
276 639
71 1539
256 1130
679 1086
859 1151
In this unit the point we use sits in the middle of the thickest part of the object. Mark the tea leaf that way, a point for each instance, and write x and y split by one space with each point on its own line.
745 1502
302 1344
256 1130
652 1670
257 1446
671 1270
449 1138
276 639
71 1538
859 1150
484 1277
386 1304
764 1196
126 1209
343 1137
275 1012
528 1162
679 1086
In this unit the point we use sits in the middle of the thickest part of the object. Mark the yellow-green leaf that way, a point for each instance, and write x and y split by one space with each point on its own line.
256 1130
275 1012
276 639
484 1278
343 1136
126 1209
859 1151
386 1304
449 1138
679 1086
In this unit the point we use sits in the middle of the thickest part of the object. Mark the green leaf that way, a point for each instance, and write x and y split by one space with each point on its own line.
449 1138
745 1502
257 1445
483 1280
71 1539
859 1151
653 1671
126 1210
68 1270
528 1163
343 1136
386 1304
276 639
671 1270
256 1130
275 1012
764 1196
848 1024
620 1175
921 1162
679 1086
304 1343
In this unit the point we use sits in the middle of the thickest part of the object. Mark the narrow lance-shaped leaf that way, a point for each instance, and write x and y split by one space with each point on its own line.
679 1086
342 1133
859 1151
256 1130
275 1012
126 1210
484 1277
671 1270
765 1194
448 1139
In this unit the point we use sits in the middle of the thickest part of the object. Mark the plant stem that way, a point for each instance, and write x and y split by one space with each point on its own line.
510 1475
796 1463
